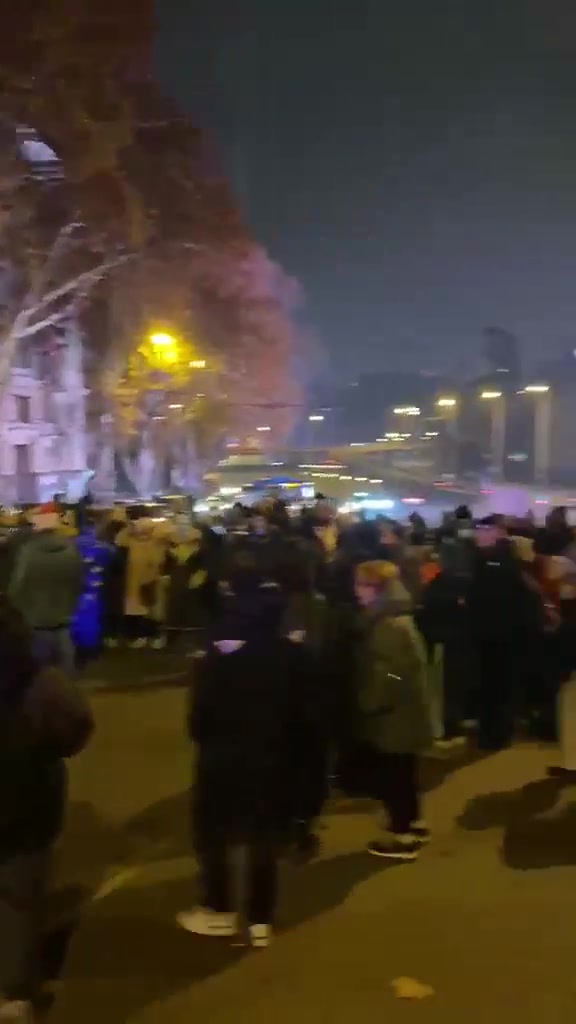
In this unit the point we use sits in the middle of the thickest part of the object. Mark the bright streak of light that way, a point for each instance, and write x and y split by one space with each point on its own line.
378 503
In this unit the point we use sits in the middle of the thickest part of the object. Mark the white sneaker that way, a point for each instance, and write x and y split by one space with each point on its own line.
111 643
158 643
137 645
208 922
17 1012
260 935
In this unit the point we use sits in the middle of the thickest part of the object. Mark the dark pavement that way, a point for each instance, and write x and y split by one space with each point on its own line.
487 915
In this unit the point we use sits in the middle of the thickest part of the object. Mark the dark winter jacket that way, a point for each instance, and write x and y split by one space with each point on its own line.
42 722
47 580
191 594
443 611
246 710
394 714
503 608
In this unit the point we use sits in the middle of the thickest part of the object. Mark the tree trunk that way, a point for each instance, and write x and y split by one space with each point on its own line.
141 469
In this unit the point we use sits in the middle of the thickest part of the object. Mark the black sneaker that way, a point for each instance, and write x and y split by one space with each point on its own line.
421 834
396 849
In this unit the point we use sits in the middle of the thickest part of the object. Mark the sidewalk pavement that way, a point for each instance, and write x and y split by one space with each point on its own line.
485 917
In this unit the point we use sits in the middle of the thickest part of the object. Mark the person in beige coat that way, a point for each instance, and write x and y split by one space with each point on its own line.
144 569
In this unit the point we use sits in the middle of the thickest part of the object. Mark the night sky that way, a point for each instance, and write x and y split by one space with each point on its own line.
412 162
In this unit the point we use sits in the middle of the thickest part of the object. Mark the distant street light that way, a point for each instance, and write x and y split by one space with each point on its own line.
197 364
447 403
498 428
316 419
542 429
162 340
407 410
163 348
263 430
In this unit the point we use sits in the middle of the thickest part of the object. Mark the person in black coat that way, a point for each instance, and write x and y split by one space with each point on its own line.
506 619
308 646
246 710
43 720
443 620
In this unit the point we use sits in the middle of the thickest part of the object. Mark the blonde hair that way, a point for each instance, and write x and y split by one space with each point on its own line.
376 574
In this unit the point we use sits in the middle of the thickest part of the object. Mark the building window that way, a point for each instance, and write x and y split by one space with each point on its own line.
23 411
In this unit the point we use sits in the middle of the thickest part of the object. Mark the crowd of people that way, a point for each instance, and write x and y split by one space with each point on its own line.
324 651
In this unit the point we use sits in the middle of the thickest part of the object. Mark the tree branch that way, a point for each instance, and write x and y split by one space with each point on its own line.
41 325
70 287
59 244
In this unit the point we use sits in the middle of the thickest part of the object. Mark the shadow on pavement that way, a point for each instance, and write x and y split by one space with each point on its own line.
541 843
169 818
308 892
511 807
530 841
93 844
130 953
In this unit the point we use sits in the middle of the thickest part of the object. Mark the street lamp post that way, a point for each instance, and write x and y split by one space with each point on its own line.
312 429
497 429
542 429
447 407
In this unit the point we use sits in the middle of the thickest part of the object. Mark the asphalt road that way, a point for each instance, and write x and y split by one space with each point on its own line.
486 916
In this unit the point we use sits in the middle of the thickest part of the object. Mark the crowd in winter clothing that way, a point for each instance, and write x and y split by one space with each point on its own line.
324 652
350 648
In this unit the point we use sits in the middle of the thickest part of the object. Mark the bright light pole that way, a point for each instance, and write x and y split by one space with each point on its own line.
542 429
315 417
498 428
447 406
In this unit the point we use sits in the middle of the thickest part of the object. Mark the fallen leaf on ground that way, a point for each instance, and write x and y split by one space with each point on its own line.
409 988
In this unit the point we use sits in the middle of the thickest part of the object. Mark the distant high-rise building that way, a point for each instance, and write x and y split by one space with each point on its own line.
502 353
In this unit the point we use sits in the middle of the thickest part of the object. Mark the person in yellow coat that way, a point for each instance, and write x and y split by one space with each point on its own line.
145 556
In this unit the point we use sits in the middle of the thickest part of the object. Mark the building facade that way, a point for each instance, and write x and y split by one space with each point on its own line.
43 448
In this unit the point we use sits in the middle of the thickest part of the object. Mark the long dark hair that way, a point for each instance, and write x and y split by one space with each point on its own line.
17 663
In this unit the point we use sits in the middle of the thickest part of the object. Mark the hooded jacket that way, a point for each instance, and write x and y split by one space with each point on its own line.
394 714
47 580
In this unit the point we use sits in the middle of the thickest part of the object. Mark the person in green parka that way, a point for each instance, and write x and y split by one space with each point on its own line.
393 713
